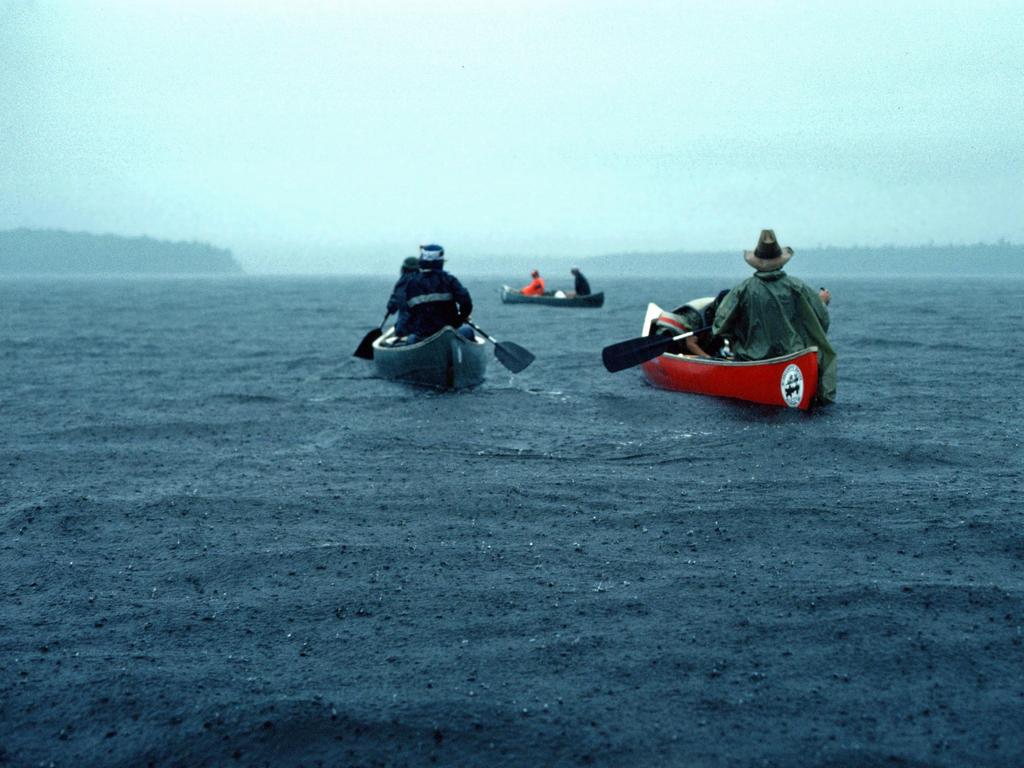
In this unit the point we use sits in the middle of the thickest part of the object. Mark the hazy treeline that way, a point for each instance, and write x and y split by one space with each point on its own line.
58 252
51 252
999 259
994 259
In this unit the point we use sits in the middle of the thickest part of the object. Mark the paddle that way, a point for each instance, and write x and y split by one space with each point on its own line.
365 348
512 356
626 354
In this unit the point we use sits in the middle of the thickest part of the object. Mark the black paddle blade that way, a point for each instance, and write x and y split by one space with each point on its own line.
365 348
512 356
626 354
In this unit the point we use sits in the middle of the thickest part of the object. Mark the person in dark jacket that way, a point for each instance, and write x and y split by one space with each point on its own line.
582 285
436 298
396 303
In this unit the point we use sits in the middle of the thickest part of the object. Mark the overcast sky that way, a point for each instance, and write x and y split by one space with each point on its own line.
330 132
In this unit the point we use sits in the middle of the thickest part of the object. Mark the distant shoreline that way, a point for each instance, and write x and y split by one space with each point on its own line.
981 260
44 253
59 253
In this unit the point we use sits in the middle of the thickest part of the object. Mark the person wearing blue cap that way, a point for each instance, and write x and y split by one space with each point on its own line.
435 298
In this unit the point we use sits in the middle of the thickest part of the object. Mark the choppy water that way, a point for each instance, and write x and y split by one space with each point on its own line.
925 362
178 442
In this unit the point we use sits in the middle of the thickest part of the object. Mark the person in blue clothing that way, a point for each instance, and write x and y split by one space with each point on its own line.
396 302
435 298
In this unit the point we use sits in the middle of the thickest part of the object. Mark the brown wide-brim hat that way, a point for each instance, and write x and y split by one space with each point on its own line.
768 255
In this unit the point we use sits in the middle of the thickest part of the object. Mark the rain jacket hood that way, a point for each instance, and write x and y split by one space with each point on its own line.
773 314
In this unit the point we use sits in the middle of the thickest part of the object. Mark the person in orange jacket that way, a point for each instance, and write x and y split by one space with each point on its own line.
536 288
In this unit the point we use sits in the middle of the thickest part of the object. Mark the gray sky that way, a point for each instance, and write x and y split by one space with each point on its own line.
318 135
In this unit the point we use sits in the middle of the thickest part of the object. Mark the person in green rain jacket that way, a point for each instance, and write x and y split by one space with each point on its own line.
773 314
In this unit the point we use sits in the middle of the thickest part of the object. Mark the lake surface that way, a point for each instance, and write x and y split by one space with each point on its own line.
225 540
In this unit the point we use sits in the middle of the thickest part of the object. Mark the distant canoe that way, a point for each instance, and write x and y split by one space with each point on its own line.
790 380
446 360
512 296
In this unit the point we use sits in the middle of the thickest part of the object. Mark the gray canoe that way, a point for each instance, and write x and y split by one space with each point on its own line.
445 360
512 296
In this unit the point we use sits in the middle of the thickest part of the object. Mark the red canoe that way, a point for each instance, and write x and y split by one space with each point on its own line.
791 380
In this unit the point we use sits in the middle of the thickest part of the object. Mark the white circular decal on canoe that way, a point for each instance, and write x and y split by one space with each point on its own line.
792 385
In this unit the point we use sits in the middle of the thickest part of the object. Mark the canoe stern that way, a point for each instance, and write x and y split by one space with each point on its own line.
790 381
446 360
